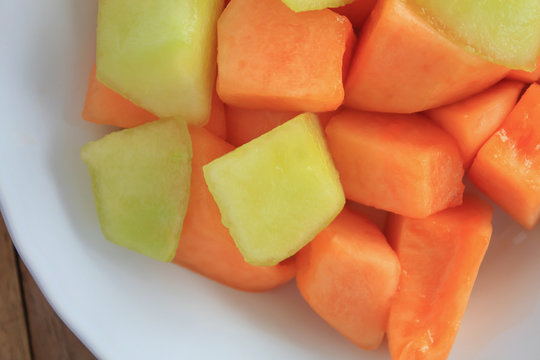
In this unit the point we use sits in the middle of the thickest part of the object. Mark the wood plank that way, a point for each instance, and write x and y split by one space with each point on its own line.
13 331
49 337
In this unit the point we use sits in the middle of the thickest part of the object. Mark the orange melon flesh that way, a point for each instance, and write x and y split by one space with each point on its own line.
403 65
245 125
376 216
507 167
270 57
205 245
324 118
525 76
217 123
472 121
440 257
348 274
106 106
396 162
357 12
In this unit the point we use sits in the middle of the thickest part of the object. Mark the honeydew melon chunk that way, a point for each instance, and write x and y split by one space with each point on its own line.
506 32
160 54
278 191
141 179
308 5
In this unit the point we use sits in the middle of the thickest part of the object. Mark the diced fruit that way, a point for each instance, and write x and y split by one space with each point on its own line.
357 12
308 5
140 179
278 191
396 162
525 76
403 65
205 244
376 216
324 117
217 123
160 54
473 120
245 125
440 257
105 106
507 167
349 275
272 58
505 32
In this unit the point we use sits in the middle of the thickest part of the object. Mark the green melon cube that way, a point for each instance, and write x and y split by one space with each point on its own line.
506 32
308 5
141 179
278 191
160 54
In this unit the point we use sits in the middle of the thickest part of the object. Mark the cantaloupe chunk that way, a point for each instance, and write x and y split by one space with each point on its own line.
270 57
396 162
245 125
217 123
278 191
473 120
403 65
349 275
205 245
440 257
357 12
507 167
140 179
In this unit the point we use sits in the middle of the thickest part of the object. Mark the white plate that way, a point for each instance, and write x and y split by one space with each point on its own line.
124 306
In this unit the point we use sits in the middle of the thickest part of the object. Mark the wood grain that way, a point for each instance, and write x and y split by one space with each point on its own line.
49 337
13 331
29 327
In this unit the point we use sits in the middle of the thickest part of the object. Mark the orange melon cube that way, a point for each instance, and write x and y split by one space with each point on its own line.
396 162
270 57
440 257
403 65
473 120
349 274
507 167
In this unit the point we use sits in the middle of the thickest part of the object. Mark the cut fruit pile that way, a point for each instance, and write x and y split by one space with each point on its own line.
322 140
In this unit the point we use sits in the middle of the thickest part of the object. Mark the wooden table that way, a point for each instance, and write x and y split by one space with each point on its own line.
29 328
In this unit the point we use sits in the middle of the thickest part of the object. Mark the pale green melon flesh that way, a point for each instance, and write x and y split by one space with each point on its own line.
160 54
278 191
506 32
141 180
308 5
